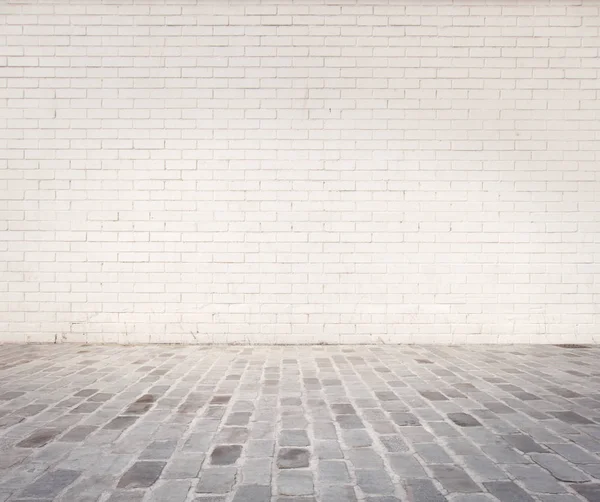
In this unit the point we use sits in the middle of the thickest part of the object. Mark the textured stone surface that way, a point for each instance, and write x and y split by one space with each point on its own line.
299 424
289 458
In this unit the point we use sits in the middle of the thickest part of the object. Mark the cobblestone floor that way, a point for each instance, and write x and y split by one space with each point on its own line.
299 424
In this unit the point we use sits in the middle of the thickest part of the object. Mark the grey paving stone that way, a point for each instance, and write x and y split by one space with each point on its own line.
464 419
374 481
215 480
454 479
260 448
159 450
502 454
8 396
172 490
295 482
422 490
433 395
559 468
357 438
240 418
324 430
405 419
120 423
257 471
333 472
252 493
338 493
198 442
141 475
292 458
574 453
507 491
232 435
483 469
50 484
524 443
296 499
184 466
393 443
349 422
126 496
571 417
590 491
39 438
293 437
328 450
348 408
406 466
433 454
78 433
535 479
225 454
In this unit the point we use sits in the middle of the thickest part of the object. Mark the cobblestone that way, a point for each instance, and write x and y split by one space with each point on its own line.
299 424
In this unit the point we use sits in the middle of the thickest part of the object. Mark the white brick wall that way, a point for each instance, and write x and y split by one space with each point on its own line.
299 171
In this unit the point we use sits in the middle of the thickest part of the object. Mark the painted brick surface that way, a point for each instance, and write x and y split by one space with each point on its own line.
300 172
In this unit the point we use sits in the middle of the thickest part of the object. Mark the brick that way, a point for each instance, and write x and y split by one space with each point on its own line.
177 133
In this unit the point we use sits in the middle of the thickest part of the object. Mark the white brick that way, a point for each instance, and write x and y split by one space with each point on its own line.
299 172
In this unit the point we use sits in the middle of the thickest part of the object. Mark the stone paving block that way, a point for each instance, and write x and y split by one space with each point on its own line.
559 468
159 450
406 466
357 438
454 479
405 419
127 496
374 481
422 490
78 433
295 482
535 479
433 396
337 493
349 422
292 458
483 469
574 453
293 437
253 493
257 471
333 472
184 466
464 420
232 435
225 454
39 438
141 475
571 417
173 491
328 450
394 443
50 484
589 491
433 454
507 491
353 412
216 480
524 443
198 442
120 423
